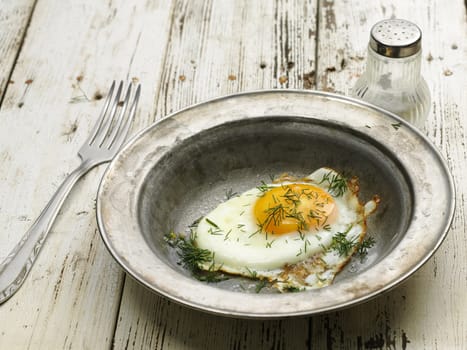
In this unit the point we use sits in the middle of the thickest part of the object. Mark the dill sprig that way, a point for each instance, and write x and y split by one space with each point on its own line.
292 289
316 214
396 126
254 233
263 188
292 197
192 257
260 285
195 223
362 250
210 276
253 274
298 216
215 229
212 223
309 194
337 184
341 244
230 194
275 214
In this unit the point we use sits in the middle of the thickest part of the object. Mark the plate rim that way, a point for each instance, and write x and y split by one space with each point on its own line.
273 315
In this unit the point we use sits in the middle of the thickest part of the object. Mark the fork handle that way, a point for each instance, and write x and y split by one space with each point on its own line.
16 266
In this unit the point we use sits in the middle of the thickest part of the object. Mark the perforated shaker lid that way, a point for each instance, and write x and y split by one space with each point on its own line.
396 38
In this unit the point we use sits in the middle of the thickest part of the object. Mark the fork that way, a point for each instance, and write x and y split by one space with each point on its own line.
105 140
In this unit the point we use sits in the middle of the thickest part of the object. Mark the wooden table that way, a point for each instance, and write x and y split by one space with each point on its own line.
57 59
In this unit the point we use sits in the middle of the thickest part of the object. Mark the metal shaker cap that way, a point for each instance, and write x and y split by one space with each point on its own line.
396 38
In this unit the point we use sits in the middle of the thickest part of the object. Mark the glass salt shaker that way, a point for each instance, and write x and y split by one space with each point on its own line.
392 79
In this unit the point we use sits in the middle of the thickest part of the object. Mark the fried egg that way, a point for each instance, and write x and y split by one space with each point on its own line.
296 233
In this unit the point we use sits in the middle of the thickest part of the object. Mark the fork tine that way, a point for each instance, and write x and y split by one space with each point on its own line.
103 113
104 129
119 121
123 131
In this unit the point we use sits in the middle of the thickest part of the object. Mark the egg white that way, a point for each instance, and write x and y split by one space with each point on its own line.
292 260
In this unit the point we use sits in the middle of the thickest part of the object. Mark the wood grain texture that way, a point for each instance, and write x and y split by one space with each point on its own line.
215 48
407 317
184 52
221 47
14 21
72 52
429 310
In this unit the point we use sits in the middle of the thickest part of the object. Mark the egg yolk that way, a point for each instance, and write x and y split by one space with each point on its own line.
294 207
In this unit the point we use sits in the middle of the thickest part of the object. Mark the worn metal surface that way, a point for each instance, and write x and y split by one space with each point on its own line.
177 170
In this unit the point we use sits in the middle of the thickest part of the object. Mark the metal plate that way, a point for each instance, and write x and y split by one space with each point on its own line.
181 167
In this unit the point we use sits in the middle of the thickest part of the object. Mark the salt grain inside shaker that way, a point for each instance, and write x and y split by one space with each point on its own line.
392 79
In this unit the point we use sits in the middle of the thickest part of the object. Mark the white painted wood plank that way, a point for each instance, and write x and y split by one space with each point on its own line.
72 52
14 18
77 268
150 322
221 47
429 311
215 48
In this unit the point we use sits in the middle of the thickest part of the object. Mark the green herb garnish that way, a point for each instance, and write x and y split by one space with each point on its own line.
211 223
341 244
396 126
275 214
230 194
298 216
263 188
253 274
192 257
337 184
292 289
292 197
260 285
214 230
363 247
